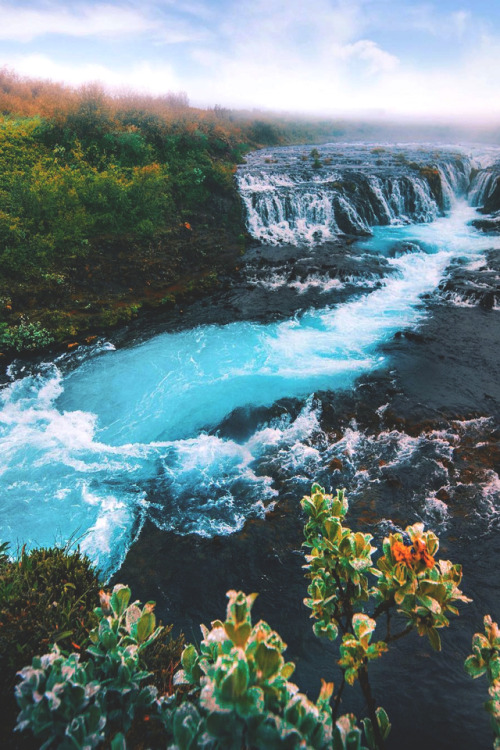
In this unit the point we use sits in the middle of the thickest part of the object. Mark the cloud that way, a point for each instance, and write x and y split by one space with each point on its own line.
460 20
323 56
24 24
377 59
142 76
288 54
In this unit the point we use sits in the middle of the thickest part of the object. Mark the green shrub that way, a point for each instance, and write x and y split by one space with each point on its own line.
350 595
239 689
25 337
243 696
485 660
73 705
46 596
234 690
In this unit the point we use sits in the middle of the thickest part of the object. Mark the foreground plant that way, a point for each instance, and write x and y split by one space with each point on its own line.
485 660
349 593
239 682
68 704
46 596
234 690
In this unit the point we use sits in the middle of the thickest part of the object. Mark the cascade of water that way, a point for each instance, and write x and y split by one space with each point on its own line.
481 187
455 179
307 207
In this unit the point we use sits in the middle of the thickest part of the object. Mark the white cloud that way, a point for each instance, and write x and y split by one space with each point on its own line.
141 76
288 54
378 60
24 24
320 56
460 21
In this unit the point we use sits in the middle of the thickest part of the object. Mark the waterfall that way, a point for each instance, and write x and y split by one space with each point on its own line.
482 187
295 202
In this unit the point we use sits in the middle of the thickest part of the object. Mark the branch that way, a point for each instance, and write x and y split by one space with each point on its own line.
338 697
399 635
370 703
383 607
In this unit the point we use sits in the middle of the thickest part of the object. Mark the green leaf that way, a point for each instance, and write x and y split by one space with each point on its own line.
333 529
287 670
189 657
238 633
132 615
235 683
473 667
370 737
383 722
180 678
434 639
120 599
186 725
353 740
495 667
268 660
118 742
430 603
61 636
363 625
145 626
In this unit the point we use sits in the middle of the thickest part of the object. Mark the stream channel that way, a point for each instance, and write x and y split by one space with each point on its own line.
356 345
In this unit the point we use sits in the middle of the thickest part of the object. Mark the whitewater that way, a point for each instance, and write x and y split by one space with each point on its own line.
91 446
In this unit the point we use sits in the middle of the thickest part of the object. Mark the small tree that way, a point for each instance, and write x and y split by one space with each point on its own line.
350 595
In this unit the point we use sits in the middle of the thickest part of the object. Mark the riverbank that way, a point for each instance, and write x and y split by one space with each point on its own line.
112 206
120 279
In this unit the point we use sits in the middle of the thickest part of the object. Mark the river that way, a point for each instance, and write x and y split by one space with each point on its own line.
357 345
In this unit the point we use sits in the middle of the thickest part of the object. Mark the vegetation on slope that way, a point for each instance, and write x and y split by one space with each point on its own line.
104 203
109 204
113 204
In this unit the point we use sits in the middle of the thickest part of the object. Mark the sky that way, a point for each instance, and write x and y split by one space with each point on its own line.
375 58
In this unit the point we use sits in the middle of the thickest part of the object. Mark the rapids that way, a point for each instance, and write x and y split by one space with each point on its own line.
367 298
92 446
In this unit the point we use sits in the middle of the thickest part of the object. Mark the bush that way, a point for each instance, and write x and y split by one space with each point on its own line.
485 660
240 694
234 690
25 337
353 596
78 705
46 596
243 694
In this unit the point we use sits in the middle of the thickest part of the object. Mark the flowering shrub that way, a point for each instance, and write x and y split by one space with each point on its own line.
234 690
405 582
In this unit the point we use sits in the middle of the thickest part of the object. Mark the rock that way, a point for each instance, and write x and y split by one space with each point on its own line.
336 464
